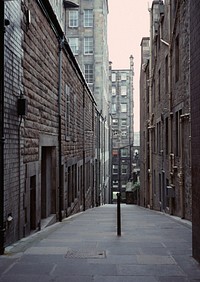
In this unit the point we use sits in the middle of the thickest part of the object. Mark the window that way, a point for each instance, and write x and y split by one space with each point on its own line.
159 85
89 73
166 75
166 136
178 125
123 76
69 185
73 42
88 18
115 183
124 152
113 91
114 108
88 45
124 169
124 122
74 118
113 77
123 90
115 152
73 18
115 169
115 121
177 59
67 113
159 137
153 92
124 134
123 108
115 133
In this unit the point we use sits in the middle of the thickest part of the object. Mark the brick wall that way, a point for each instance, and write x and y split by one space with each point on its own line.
13 167
170 166
32 152
195 117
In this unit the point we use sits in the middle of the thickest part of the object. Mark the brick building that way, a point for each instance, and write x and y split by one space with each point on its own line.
195 112
144 118
165 110
50 124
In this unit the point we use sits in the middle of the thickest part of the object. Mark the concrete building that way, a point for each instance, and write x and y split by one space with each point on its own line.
165 111
85 26
48 124
121 113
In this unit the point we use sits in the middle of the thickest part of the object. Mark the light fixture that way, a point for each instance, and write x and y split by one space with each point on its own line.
9 218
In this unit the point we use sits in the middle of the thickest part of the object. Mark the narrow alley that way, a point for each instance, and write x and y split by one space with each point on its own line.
85 247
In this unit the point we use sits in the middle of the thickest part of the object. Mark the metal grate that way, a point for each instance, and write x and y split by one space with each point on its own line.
91 254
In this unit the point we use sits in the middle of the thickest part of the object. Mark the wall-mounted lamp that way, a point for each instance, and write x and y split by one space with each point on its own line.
22 106
9 218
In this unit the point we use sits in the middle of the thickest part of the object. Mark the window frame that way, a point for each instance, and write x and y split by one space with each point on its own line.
74 47
89 76
88 18
88 45
73 18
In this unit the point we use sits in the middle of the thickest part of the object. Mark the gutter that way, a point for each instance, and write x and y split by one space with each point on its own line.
84 170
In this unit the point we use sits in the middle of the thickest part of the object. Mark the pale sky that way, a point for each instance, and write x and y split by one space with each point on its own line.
128 22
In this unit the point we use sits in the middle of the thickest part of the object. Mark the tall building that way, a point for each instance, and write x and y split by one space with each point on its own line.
84 23
165 111
121 116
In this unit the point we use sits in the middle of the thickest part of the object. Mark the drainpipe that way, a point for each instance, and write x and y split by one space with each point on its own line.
84 148
181 174
61 42
150 114
104 161
98 157
170 104
182 202
2 229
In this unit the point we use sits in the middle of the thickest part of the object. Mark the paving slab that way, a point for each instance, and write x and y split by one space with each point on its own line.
152 247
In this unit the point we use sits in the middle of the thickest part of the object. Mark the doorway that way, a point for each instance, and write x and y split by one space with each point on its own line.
48 182
33 202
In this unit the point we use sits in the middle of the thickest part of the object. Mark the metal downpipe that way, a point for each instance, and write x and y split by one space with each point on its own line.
59 127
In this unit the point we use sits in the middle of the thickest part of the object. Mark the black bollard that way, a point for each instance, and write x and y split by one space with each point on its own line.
118 214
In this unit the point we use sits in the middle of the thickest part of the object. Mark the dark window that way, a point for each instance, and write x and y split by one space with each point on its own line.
166 75
166 136
177 59
177 132
159 85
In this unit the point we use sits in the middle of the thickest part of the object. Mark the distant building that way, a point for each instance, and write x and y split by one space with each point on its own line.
121 113
165 111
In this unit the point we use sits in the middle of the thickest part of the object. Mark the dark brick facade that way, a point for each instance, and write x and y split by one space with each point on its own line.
165 131
49 152
195 117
